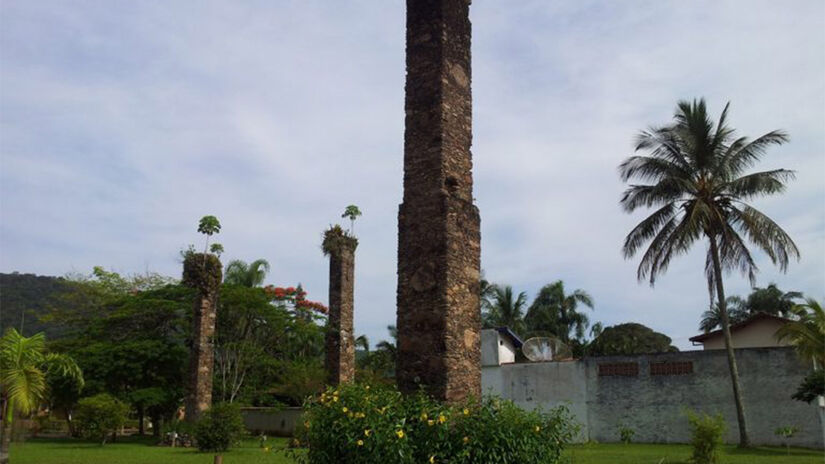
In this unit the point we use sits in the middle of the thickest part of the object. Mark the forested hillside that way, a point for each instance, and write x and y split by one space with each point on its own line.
26 297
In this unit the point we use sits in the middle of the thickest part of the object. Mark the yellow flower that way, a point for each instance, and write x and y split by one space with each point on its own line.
442 418
344 409
367 387
367 432
424 416
430 422
399 433
432 459
335 398
266 449
466 440
360 415
360 442
466 412
538 429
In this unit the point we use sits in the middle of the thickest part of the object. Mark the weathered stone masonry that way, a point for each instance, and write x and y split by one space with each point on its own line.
340 343
439 237
204 273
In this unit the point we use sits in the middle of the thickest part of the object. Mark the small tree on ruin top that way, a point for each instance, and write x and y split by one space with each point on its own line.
352 212
208 226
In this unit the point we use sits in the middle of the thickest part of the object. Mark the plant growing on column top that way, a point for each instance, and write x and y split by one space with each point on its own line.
352 212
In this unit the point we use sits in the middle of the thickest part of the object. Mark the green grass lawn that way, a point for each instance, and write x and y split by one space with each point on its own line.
617 453
135 450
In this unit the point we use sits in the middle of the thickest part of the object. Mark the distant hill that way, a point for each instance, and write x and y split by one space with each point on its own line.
24 298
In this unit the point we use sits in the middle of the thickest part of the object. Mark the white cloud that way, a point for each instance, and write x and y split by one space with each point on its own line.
121 125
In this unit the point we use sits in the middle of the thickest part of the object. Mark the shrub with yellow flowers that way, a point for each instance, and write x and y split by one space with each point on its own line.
359 424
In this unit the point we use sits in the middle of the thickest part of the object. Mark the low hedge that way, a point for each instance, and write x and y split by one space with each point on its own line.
359 424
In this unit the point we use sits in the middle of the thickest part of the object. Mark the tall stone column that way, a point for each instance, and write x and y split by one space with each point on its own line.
438 226
340 343
202 272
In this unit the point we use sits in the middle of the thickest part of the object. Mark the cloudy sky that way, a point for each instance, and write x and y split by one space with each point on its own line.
122 123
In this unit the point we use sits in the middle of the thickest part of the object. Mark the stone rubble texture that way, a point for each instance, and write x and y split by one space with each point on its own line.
439 235
340 342
204 273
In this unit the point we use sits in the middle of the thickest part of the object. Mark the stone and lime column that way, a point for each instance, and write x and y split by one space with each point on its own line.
340 342
203 272
439 235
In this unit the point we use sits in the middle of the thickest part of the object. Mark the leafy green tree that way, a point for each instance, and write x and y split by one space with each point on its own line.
807 332
812 386
596 330
556 312
101 416
63 393
629 338
772 300
209 225
220 428
252 274
507 309
486 293
247 323
351 212
216 249
135 345
378 366
712 318
362 342
693 174
389 346
24 366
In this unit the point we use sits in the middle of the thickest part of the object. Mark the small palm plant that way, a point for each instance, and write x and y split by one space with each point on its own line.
24 364
807 332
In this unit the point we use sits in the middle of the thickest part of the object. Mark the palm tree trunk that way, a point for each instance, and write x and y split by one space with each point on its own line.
5 432
744 441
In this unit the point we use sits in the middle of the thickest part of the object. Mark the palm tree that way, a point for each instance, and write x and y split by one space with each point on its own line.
238 272
24 365
486 293
362 342
772 300
557 312
712 318
506 310
596 330
807 332
387 346
693 173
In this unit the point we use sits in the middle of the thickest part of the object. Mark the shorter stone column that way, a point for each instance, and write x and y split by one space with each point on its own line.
340 343
204 273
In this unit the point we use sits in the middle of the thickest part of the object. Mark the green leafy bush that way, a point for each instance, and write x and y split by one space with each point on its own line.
219 428
359 424
707 434
100 416
787 433
626 434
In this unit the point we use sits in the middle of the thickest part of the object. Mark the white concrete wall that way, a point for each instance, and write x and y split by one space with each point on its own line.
654 405
506 351
495 349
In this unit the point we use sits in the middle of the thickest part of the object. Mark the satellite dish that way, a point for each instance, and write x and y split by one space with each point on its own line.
546 349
